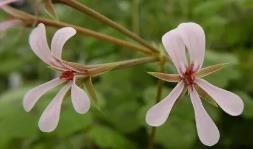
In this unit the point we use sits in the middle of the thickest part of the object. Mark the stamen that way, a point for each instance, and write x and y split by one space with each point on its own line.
67 75
189 76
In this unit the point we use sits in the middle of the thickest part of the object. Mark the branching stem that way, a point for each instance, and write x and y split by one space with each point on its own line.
30 20
97 35
128 63
100 17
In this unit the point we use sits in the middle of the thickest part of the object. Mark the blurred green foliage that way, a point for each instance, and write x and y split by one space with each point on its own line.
125 95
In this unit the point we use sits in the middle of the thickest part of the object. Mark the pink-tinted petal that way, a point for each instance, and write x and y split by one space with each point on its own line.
33 95
194 38
51 115
60 38
175 47
39 45
80 99
207 130
228 101
159 113
6 2
5 25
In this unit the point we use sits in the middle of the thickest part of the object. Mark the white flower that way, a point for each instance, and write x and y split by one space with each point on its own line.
5 25
6 2
191 36
80 100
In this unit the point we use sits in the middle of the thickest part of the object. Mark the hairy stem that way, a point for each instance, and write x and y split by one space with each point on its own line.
129 63
158 98
96 35
87 10
30 20
136 16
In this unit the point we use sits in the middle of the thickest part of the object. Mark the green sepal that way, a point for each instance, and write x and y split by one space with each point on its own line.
210 69
101 69
181 95
166 77
50 10
91 92
205 96
92 70
76 65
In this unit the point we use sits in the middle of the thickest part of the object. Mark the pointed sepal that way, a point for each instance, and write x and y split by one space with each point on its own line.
210 69
205 96
91 92
91 70
49 7
166 77
76 65
100 69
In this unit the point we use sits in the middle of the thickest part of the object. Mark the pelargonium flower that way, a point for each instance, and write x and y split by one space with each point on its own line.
6 2
69 75
191 36
5 25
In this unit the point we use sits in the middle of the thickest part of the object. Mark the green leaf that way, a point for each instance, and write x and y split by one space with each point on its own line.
221 78
106 137
121 97
180 126
248 105
20 124
15 121
71 122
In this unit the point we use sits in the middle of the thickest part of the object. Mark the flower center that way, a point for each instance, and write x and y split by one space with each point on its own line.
67 75
188 76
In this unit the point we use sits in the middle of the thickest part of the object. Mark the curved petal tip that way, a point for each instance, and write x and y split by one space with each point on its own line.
207 130
159 113
228 101
80 99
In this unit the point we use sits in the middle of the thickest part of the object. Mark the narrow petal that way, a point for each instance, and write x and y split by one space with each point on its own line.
39 45
6 2
80 99
175 47
228 101
5 25
207 130
51 115
159 113
33 95
60 38
194 38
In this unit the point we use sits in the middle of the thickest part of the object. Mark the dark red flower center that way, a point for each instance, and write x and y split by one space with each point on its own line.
188 76
67 75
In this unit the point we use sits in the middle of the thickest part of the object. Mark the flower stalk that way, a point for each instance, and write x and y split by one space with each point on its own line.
91 12
158 98
30 20
127 63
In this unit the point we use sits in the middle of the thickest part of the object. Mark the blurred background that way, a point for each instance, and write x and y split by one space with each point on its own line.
125 95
